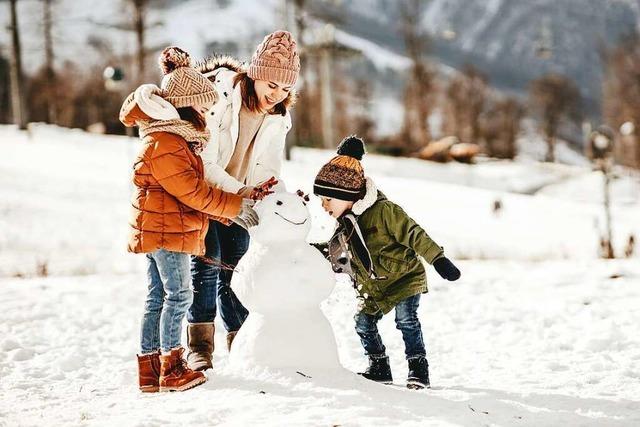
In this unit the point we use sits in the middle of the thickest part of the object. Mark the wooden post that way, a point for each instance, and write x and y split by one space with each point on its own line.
606 168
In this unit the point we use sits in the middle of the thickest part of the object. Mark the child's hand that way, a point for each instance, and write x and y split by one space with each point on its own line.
263 189
446 269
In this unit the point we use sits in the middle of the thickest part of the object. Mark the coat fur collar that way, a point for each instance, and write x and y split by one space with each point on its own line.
370 197
221 61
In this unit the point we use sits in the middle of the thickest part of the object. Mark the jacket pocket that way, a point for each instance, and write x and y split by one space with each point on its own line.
393 265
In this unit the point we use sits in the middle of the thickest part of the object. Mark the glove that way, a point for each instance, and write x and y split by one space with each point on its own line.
446 269
247 217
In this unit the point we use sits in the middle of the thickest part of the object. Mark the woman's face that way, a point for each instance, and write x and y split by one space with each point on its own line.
335 207
270 93
203 108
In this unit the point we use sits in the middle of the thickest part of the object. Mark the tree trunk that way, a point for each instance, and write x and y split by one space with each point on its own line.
551 155
17 88
49 70
139 27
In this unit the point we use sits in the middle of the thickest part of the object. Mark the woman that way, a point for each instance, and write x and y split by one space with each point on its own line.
248 129
171 207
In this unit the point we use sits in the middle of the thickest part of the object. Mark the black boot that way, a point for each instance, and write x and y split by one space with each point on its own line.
378 370
418 373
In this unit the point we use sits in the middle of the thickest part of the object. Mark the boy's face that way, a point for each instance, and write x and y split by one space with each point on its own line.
335 207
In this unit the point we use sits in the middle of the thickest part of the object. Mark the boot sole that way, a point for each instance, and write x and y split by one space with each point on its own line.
415 385
186 386
385 382
200 361
149 389
200 366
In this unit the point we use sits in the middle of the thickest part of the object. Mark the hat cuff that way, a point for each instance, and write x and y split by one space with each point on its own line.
328 190
278 75
191 100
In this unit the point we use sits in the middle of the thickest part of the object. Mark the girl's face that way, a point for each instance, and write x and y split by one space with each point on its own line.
270 93
335 207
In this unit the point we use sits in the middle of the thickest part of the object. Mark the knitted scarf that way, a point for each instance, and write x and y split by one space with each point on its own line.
196 139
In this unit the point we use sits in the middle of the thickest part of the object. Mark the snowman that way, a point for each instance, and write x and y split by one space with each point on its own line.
282 280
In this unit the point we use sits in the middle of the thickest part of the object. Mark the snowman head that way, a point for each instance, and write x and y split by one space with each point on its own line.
283 216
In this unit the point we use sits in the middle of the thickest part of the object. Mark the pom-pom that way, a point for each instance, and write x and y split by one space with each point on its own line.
352 146
173 57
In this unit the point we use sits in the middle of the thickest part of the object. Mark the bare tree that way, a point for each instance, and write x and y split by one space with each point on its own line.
466 96
5 90
621 96
500 128
18 106
139 27
420 85
48 63
555 98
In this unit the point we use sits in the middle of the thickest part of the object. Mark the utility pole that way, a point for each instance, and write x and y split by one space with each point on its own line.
17 88
48 60
601 145
328 51
326 96
294 18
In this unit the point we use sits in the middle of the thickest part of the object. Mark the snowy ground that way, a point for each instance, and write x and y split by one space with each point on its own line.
537 332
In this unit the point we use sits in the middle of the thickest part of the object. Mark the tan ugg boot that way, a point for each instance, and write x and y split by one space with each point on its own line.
230 337
149 372
200 343
175 375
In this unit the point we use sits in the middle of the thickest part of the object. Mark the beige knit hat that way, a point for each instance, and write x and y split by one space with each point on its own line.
183 85
276 59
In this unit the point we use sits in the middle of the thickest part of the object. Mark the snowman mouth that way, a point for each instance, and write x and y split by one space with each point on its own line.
288 220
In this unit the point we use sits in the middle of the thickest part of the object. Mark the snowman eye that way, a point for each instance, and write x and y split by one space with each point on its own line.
278 203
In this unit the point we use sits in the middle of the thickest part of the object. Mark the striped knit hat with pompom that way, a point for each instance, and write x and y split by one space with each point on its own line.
343 177
182 85
276 59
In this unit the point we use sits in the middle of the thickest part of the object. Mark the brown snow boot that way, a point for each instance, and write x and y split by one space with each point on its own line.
175 375
230 337
149 372
200 343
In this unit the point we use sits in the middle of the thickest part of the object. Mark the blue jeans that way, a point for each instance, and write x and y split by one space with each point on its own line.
212 284
406 321
167 301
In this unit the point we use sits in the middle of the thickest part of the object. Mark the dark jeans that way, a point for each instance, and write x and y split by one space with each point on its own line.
212 284
406 321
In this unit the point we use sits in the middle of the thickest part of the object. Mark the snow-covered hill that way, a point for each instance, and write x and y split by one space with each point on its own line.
505 37
537 332
502 37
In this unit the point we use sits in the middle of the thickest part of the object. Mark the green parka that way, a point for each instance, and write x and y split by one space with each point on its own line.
395 242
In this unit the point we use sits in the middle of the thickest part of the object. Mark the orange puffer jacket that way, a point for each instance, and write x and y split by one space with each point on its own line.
172 202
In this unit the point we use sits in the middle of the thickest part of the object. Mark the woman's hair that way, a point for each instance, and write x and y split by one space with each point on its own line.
250 97
195 118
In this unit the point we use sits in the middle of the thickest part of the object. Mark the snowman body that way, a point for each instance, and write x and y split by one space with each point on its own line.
282 280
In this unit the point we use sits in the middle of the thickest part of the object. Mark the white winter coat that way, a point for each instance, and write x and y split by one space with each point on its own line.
223 121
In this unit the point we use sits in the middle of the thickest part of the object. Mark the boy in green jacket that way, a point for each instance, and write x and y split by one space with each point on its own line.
379 245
